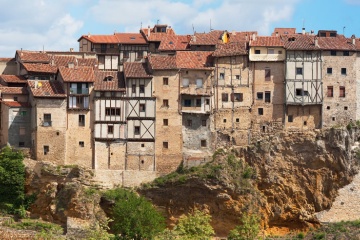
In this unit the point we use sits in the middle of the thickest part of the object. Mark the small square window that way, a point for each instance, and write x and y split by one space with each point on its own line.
142 107
165 81
225 97
305 123
222 76
203 123
299 71
346 53
46 150
343 71
260 111
345 108
329 71
333 53
110 129
259 95
142 88
237 77
165 145
203 143
21 144
165 122
207 101
328 107
137 130
290 118
333 118
237 120
81 144
81 120
133 88
142 145
165 103
224 120
15 99
257 51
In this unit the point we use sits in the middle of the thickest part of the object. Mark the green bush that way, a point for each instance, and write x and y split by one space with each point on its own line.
248 230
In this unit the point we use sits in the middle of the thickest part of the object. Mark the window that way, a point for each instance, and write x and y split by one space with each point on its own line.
82 120
238 120
137 130
47 120
142 107
333 118
267 74
23 113
189 123
330 91
237 77
207 101
301 92
46 149
346 53
290 118
110 112
142 88
299 71
165 145
165 122
187 102
126 54
328 107
267 97
133 88
305 123
15 99
343 71
260 111
110 129
140 54
165 81
203 123
259 95
112 45
238 97
224 120
203 143
345 108
185 82
199 83
342 92
333 53
165 103
329 71
224 97
81 144
22 131
21 144
257 51
198 102
271 51
222 76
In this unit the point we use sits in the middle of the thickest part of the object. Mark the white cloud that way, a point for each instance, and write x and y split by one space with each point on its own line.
353 2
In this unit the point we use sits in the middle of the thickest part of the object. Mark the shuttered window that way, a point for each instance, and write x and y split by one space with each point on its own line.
342 92
330 91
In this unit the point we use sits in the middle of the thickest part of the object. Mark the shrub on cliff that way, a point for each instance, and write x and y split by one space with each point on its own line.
134 217
12 179
248 230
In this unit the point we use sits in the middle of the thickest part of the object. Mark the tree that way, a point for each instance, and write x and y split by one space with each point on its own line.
248 230
12 179
194 226
134 217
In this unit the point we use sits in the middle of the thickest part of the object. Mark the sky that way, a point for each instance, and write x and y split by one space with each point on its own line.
58 24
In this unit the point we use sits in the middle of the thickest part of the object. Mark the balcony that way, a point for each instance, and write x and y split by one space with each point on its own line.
192 104
192 89
79 91
78 102
267 57
106 50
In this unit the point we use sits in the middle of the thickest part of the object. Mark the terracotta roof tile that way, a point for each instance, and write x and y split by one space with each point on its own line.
51 89
336 43
300 42
357 44
156 36
39 68
111 39
109 81
63 60
211 38
174 43
230 49
79 74
241 36
7 59
267 42
33 56
16 104
12 79
13 90
162 62
90 62
194 60
283 31
130 38
136 70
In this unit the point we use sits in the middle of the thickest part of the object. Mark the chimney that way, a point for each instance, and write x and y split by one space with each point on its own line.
316 42
71 49
36 84
303 31
148 31
89 35
353 39
71 65
246 37
233 32
254 37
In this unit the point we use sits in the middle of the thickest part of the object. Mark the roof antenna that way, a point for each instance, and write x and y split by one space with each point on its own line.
193 29
344 30
157 22
210 25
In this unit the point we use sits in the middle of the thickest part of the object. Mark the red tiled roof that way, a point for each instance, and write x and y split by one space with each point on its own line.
162 62
111 39
156 36
130 38
77 74
63 61
12 79
174 43
211 38
13 90
7 59
102 82
16 104
241 36
39 68
136 70
283 31
90 62
230 49
267 42
52 89
357 44
194 59
336 43
33 56
300 42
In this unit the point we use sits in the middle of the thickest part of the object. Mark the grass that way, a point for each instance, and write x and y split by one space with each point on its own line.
39 226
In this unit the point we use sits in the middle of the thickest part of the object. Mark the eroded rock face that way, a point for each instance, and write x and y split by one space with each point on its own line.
297 175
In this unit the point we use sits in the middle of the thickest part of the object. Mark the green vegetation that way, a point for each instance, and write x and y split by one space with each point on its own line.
134 217
340 230
194 226
12 180
248 230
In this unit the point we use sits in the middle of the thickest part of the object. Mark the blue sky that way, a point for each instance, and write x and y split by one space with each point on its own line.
56 25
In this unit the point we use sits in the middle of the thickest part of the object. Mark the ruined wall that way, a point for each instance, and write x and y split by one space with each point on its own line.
299 117
109 155
339 109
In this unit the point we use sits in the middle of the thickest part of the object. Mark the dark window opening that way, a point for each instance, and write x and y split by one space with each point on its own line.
203 143
329 71
299 71
290 118
346 53
46 150
260 111
81 144
165 103
112 111
330 91
198 102
237 120
342 92
345 108
187 102
333 53
81 120
165 81
257 51
137 130
165 145
267 97
142 88
142 107
165 122
225 97
259 95
110 129
343 71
